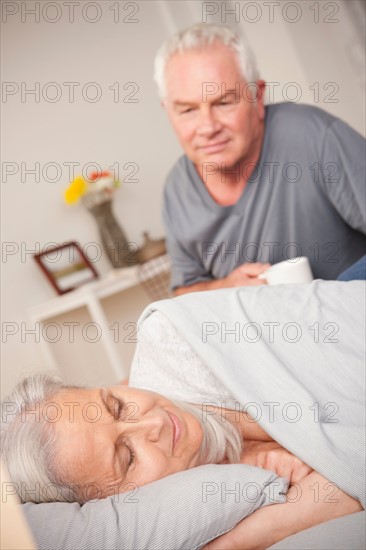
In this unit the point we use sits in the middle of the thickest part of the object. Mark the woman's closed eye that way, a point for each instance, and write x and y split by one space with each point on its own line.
132 454
122 410
124 454
117 408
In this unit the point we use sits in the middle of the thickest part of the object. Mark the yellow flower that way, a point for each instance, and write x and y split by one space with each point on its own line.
76 189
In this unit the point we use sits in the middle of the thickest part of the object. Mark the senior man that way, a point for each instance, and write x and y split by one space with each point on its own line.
257 184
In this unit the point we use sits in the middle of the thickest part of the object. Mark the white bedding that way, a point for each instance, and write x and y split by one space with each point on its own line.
314 385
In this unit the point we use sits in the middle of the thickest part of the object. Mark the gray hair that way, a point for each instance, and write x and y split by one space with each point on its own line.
199 36
222 441
28 442
29 446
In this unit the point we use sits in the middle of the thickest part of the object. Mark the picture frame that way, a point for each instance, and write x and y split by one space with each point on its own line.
66 267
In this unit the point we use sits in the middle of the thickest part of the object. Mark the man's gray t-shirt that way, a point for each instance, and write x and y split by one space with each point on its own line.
306 197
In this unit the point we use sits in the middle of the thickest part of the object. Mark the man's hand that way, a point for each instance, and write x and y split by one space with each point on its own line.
271 456
246 275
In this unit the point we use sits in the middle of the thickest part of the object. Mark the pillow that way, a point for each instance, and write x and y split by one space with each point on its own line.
184 510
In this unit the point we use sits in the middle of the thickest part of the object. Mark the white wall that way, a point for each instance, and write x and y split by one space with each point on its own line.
113 133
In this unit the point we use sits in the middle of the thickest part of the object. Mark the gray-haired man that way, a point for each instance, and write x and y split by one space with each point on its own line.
257 184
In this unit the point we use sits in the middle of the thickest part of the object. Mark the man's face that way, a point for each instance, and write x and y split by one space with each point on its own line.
119 437
212 109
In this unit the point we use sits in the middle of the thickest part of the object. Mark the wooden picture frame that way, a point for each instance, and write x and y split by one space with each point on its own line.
66 267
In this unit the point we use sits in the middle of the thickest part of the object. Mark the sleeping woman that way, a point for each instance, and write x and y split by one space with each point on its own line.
90 443
86 443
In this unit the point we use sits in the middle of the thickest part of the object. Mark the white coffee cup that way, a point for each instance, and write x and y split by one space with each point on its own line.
294 271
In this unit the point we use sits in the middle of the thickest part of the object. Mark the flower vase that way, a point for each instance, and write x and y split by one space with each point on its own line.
112 236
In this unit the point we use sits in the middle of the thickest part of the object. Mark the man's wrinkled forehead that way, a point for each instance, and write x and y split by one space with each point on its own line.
188 73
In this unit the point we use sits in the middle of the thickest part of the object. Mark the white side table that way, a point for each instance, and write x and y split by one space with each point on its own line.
89 295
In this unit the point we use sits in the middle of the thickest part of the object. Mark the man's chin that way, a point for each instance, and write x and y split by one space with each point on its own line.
218 163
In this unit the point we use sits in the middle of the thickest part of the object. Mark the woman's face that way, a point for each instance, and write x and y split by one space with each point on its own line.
114 439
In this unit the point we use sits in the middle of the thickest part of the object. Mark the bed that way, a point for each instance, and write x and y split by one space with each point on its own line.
299 348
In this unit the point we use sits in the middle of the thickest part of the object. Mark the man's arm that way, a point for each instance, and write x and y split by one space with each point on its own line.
244 275
198 287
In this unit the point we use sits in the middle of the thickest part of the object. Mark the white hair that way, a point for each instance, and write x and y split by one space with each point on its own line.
222 441
28 441
29 444
200 36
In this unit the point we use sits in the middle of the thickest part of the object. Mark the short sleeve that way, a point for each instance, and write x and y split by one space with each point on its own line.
344 173
186 266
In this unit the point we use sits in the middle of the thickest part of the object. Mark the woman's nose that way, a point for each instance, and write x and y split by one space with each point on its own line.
148 427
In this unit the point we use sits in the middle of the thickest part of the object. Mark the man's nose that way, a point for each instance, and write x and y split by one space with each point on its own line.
208 124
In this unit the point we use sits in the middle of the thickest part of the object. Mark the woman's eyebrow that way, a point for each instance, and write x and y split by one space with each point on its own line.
102 397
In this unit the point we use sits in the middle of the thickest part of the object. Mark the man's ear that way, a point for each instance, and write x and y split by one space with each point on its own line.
261 88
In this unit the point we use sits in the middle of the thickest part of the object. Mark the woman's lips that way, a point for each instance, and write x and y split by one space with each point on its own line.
177 428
